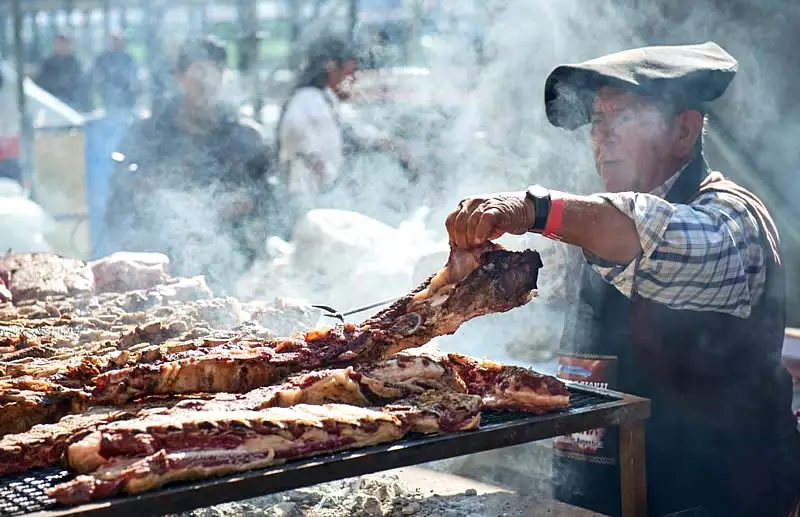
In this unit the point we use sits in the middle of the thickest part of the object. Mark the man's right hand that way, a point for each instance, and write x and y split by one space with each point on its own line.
487 217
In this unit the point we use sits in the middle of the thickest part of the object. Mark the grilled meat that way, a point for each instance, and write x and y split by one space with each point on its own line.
501 281
30 276
44 445
160 447
474 283
228 370
360 385
408 374
141 454
28 402
434 411
507 387
125 271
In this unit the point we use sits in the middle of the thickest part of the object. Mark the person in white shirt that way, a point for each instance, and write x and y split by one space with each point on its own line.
312 142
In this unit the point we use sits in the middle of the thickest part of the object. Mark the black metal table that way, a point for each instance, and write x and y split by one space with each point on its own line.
590 408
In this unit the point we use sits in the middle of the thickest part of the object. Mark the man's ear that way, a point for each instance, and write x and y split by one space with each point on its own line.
688 128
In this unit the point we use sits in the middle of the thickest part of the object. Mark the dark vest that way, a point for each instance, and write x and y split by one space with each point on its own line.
722 436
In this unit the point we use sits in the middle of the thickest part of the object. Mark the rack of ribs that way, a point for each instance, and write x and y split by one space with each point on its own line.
389 383
25 402
473 283
498 386
136 455
44 445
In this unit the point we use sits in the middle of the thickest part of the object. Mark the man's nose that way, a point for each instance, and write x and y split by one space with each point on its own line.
606 132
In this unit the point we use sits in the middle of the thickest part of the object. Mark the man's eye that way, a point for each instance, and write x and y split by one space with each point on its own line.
624 118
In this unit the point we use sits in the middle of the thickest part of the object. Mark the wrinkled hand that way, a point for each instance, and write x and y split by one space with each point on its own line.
484 218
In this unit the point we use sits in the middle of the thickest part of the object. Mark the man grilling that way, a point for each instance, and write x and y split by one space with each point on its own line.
682 294
191 181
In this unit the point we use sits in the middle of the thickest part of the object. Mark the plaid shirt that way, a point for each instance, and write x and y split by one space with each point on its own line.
705 256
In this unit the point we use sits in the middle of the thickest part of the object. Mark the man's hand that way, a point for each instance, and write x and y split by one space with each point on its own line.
484 218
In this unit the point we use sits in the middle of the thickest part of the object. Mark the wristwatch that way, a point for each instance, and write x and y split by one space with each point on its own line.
540 197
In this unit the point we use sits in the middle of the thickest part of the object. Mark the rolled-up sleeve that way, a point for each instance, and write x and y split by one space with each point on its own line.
706 256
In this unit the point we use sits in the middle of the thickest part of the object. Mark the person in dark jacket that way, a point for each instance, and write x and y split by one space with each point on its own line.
192 180
61 75
682 296
115 76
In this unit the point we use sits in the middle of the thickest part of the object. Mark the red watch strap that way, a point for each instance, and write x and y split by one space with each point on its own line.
556 217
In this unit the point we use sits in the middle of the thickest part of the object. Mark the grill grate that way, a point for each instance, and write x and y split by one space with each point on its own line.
25 493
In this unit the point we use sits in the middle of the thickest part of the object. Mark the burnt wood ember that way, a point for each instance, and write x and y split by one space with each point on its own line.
141 454
40 275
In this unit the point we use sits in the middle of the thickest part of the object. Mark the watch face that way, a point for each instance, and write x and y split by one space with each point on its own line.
538 191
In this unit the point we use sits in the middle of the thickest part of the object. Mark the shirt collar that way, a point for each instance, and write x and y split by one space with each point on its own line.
332 98
663 189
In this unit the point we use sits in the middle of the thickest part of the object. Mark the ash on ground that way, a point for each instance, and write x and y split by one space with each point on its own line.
376 496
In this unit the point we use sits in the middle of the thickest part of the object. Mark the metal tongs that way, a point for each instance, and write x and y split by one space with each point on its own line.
333 313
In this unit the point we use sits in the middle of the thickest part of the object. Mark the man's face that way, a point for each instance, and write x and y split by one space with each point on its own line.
62 47
201 83
116 43
632 141
341 78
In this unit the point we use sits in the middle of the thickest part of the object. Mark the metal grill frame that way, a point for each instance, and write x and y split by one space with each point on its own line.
594 408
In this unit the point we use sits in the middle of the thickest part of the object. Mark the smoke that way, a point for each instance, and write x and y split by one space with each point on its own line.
495 137
486 131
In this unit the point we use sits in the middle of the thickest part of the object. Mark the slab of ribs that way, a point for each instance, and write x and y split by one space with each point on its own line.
134 379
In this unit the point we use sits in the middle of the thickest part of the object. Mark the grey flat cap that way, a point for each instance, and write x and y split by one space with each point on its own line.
694 74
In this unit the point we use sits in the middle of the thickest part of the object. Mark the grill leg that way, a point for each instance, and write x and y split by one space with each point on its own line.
632 469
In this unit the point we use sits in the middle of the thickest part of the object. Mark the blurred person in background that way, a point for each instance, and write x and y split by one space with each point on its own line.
61 75
191 181
114 76
312 140
682 293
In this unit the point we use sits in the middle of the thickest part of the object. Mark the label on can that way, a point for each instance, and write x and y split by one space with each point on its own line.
599 371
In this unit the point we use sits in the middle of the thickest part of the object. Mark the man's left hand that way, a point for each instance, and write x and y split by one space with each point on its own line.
484 218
